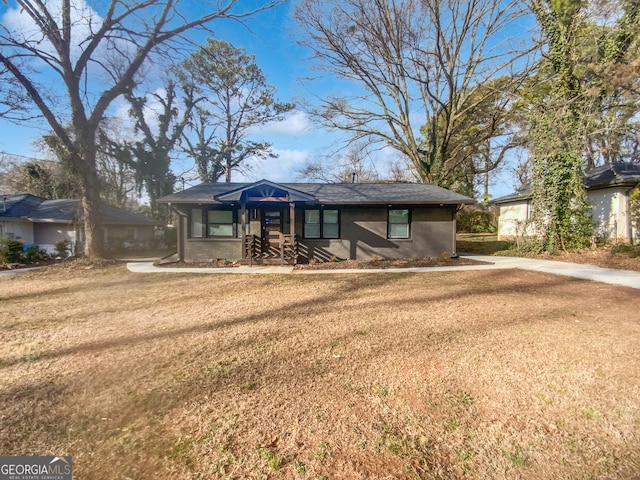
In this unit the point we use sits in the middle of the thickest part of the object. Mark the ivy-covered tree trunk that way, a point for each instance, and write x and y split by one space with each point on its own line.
569 114
561 209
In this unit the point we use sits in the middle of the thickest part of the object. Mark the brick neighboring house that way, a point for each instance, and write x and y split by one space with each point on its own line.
37 220
608 190
267 222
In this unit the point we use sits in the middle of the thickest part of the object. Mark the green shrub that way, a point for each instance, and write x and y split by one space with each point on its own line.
33 254
11 251
476 219
62 248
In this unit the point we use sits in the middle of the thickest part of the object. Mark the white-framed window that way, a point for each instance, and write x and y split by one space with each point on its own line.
399 223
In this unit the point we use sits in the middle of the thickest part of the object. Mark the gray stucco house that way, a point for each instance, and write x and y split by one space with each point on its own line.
33 219
267 222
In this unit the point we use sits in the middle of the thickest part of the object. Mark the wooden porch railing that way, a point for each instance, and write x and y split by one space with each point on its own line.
276 247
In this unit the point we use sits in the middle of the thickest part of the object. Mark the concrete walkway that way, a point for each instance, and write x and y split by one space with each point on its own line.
587 272
613 276
10 273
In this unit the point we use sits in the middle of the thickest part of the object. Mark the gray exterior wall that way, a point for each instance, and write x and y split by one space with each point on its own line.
363 235
19 229
142 233
363 232
47 234
210 249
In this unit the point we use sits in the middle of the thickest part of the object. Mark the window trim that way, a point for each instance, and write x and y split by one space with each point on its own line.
408 224
321 223
204 234
202 224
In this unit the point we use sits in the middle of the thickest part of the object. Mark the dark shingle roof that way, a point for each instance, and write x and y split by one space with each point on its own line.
56 210
619 173
18 206
611 175
37 209
334 194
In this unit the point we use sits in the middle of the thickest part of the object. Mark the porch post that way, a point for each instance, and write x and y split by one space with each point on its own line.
243 228
292 219
292 231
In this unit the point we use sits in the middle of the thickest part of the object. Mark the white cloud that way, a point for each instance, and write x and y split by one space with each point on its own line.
296 123
84 20
281 169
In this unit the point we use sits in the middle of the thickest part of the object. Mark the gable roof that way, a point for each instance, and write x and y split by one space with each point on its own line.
325 193
265 190
617 174
39 210
18 206
614 174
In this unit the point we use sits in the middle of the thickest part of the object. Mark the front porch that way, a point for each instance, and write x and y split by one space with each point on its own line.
276 248
267 222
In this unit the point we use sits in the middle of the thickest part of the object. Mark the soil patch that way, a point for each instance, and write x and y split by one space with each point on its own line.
442 261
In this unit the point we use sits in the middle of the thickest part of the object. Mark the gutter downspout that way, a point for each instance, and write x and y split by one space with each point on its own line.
628 202
181 234
454 222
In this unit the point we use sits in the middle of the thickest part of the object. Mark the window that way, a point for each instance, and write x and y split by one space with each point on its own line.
321 224
220 223
330 223
398 224
197 225
212 223
312 224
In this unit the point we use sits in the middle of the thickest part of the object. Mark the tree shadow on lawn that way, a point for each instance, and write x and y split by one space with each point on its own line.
344 287
32 409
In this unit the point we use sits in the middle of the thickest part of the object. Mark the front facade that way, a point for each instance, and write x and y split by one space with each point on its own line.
608 190
265 222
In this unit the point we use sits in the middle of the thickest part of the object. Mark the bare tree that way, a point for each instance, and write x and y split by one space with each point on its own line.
351 167
95 54
13 99
414 63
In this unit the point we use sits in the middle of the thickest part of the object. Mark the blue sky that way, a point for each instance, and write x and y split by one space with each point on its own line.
270 36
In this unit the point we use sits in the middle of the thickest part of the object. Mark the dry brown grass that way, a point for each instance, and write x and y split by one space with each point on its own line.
483 374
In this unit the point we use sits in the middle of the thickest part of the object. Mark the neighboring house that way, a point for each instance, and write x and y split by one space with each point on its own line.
608 189
44 222
267 222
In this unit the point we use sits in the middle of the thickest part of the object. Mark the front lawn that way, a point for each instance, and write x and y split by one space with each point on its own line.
480 374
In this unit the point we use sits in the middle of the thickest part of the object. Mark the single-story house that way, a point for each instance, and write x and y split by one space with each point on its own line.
608 190
37 220
267 222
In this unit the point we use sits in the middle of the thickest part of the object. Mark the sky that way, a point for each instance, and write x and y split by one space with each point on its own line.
270 36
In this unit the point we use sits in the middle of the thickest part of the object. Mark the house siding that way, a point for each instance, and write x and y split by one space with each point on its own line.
609 210
609 213
47 234
363 235
144 234
20 230
511 219
210 249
